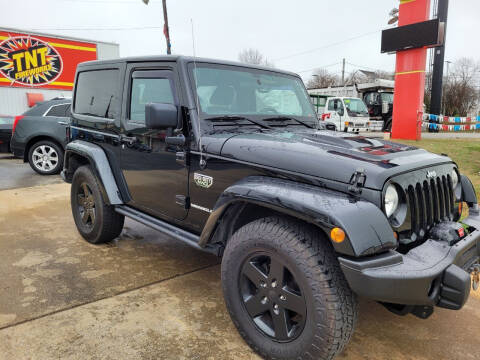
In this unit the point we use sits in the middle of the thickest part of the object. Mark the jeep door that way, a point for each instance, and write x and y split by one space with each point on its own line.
155 180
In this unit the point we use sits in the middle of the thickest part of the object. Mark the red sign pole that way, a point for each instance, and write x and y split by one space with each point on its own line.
410 75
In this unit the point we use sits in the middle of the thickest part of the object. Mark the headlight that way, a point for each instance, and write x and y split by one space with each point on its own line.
391 200
454 179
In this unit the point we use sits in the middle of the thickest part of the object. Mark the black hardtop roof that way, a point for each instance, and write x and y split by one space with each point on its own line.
180 59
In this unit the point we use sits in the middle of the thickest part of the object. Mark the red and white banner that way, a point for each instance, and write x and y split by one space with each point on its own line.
41 62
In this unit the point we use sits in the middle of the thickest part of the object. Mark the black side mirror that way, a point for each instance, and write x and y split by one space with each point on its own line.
161 116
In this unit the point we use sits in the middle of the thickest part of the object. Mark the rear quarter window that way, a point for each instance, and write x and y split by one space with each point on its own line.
95 93
58 110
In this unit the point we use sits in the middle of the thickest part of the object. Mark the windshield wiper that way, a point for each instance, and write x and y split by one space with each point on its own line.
235 117
280 118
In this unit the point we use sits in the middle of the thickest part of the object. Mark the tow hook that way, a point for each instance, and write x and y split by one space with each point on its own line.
476 277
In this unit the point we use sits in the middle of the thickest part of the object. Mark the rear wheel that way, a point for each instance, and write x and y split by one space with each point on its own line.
285 291
46 157
96 221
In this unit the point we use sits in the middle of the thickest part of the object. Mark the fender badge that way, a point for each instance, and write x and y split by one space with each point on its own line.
431 174
203 180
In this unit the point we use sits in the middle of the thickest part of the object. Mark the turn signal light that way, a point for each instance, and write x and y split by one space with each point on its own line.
337 235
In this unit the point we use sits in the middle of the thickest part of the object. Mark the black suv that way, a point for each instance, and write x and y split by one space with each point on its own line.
39 135
230 159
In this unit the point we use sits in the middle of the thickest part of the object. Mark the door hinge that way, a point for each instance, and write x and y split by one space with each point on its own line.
183 201
357 181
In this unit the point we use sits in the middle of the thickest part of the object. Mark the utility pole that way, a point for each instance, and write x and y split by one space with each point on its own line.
437 76
166 30
343 72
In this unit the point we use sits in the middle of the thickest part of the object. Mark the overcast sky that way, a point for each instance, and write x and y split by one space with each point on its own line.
296 35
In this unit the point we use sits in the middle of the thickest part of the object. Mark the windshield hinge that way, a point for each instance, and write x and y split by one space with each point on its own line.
357 181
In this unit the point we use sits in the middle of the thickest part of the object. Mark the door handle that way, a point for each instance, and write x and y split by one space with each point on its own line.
62 122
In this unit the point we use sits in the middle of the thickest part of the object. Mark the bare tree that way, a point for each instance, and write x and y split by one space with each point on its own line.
461 95
255 57
321 78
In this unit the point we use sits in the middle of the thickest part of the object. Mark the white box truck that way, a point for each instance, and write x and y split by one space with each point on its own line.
377 96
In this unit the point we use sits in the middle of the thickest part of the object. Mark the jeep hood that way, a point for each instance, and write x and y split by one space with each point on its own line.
323 154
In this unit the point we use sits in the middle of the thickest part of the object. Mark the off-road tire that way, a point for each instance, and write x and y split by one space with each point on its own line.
108 224
47 145
331 305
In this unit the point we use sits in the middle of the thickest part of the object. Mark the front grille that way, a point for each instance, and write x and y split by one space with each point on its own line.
430 202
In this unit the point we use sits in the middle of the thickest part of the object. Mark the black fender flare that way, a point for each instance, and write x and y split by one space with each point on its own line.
367 228
100 166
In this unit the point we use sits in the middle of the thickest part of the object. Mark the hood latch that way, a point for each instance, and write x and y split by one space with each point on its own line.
357 181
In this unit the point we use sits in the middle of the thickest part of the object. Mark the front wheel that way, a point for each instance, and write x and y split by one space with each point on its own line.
285 291
96 221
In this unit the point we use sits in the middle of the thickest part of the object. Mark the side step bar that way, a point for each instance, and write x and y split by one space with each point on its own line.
164 227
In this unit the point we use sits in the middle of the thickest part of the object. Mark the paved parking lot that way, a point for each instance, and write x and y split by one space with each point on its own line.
146 296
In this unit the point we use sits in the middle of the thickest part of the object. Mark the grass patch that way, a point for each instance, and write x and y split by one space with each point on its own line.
465 152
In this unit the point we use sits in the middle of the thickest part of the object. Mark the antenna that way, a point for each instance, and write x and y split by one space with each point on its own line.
203 163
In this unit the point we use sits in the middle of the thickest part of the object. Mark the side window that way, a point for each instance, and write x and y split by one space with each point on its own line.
331 106
339 104
58 110
148 90
96 92
369 99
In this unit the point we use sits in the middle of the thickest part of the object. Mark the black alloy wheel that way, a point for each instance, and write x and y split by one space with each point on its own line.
86 205
96 221
285 291
272 297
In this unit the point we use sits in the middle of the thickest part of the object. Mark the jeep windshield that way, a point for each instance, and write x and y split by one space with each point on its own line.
227 92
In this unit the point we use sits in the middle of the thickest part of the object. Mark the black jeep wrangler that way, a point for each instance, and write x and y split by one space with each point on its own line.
231 159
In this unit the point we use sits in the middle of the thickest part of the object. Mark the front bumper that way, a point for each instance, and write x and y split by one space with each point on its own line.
356 127
433 273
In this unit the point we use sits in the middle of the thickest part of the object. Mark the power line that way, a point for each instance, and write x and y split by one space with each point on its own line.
327 46
363 66
319 67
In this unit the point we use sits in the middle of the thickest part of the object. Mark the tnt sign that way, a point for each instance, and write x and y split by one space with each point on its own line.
29 61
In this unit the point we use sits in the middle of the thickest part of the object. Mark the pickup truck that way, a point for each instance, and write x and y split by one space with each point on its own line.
231 159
